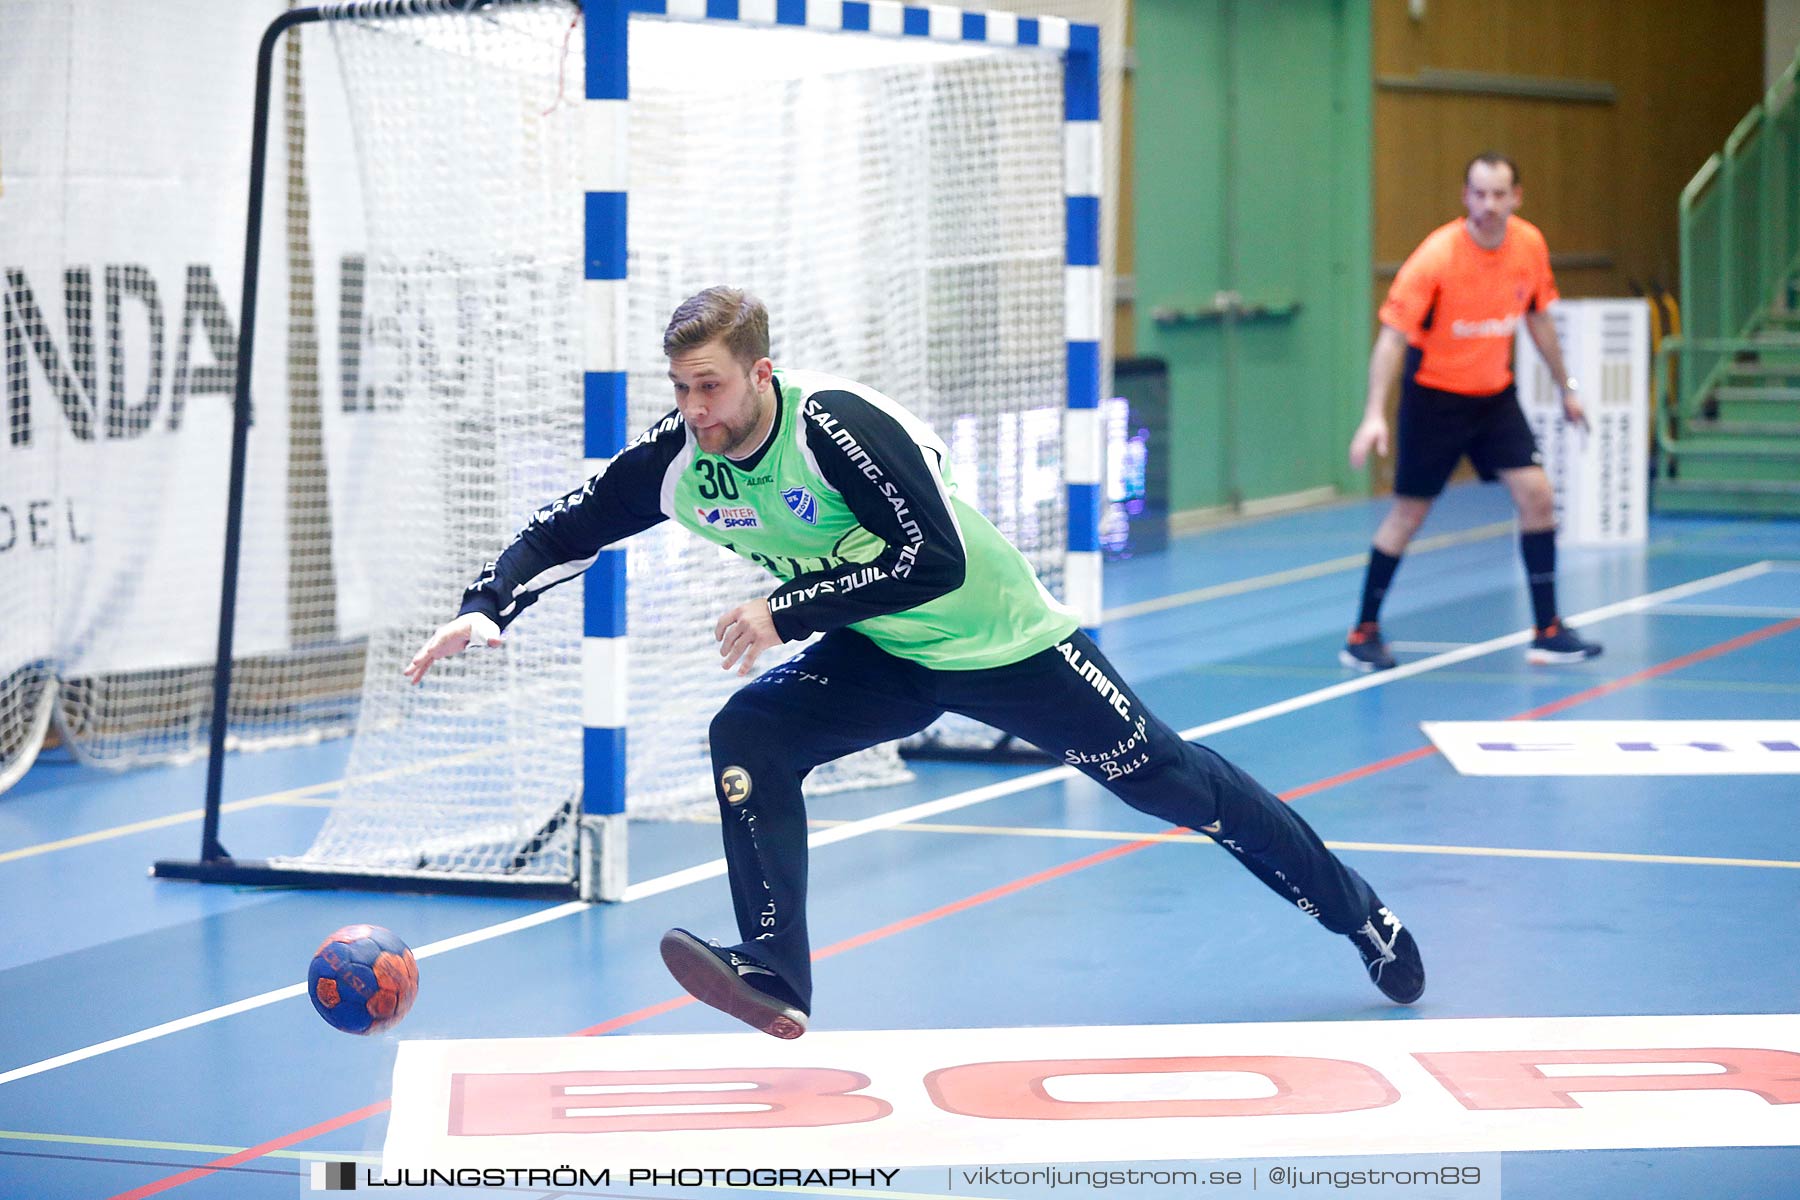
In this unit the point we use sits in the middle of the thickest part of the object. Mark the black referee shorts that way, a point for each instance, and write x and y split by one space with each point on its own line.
1436 429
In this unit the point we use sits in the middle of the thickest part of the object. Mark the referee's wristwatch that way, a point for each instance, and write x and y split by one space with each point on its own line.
1571 384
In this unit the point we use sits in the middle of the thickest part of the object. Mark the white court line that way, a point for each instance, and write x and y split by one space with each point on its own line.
541 917
1765 612
917 812
1331 566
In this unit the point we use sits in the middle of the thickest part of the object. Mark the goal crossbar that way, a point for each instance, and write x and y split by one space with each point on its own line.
597 814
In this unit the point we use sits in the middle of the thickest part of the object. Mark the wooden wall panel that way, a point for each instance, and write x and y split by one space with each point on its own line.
1601 179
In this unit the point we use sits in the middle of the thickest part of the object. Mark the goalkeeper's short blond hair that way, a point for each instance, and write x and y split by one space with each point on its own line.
720 312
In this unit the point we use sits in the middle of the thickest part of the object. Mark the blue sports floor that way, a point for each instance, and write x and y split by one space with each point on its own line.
1043 998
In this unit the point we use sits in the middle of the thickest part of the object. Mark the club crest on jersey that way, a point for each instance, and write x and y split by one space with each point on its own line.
803 504
733 517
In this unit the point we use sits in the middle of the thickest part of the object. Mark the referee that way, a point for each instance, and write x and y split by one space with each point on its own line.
1447 334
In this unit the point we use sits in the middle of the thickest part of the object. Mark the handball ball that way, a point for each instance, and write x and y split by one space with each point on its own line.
363 979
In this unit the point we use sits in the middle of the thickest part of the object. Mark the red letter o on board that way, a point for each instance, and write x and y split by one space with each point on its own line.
787 1098
1015 1090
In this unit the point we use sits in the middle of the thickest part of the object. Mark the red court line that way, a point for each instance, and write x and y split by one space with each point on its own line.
1674 664
656 1010
1556 706
632 1018
902 925
995 893
1374 768
244 1156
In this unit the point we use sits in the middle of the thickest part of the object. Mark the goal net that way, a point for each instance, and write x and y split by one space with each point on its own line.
898 204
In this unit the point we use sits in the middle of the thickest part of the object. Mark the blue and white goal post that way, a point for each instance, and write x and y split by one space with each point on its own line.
931 226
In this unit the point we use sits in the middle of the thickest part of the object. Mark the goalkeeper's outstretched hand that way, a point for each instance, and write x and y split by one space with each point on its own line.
453 638
743 633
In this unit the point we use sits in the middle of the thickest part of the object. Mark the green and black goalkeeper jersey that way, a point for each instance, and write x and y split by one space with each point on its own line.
850 503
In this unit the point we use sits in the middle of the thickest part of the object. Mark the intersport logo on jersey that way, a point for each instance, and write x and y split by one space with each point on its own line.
734 517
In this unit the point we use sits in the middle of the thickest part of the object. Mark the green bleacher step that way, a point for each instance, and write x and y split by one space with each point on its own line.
1727 497
1700 427
1780 373
1777 372
1757 403
1758 393
1744 460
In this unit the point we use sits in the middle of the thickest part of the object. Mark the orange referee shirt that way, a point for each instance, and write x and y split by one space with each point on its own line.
1459 304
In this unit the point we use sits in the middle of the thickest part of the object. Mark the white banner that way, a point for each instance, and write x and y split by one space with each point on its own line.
122 207
1599 474
1618 747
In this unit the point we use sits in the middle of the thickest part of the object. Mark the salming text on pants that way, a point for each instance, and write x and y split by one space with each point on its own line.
845 694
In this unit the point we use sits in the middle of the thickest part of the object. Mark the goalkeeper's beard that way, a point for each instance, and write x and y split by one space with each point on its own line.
737 436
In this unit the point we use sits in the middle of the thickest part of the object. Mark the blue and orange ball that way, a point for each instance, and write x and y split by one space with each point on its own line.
363 979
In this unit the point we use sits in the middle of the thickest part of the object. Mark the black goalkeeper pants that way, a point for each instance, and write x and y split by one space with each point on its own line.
844 694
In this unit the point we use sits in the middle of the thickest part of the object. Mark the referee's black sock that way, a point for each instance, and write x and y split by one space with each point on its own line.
1382 566
1539 551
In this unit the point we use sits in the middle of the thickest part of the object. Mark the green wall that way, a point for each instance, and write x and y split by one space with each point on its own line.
1252 174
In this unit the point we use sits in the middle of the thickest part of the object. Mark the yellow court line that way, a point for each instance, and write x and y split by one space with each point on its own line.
76 1139
1663 683
1112 835
301 795
1679 860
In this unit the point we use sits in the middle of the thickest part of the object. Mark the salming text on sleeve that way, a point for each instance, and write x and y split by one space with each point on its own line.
890 484
563 538
852 505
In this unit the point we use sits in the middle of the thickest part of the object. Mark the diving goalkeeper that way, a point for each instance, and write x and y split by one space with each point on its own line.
847 500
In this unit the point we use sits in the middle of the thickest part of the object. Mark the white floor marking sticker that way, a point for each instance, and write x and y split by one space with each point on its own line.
1618 747
905 1098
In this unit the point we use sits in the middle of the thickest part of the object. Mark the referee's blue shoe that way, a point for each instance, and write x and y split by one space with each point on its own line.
1365 651
1391 956
1557 643
734 983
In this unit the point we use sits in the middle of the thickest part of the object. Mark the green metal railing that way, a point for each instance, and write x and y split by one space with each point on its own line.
1672 358
1740 233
